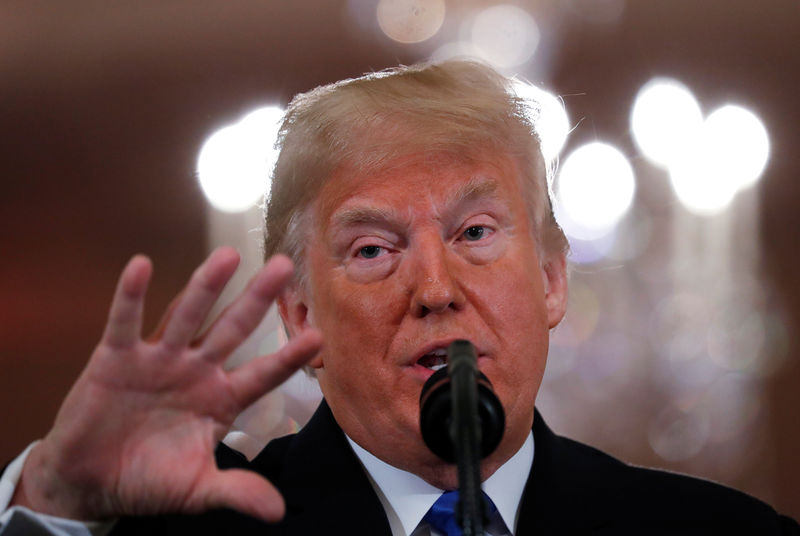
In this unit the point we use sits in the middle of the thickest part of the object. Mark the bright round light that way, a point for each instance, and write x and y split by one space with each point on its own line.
548 115
410 21
595 190
505 35
698 183
235 162
738 143
665 120
730 154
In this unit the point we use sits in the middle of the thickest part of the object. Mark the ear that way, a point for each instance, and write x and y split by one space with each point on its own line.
554 275
296 316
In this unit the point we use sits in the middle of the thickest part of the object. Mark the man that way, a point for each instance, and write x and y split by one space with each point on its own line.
414 205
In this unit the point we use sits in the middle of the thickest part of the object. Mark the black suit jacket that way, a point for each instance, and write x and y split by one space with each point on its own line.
572 489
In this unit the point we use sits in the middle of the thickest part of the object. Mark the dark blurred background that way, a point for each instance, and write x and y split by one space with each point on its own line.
104 107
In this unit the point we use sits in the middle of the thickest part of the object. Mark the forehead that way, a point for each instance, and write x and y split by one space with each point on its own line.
416 181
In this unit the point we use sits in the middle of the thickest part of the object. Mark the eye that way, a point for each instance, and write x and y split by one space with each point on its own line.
476 232
370 252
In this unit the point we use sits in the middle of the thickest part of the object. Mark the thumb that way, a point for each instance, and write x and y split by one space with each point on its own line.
246 492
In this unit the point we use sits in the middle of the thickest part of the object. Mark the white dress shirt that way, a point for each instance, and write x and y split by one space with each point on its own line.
406 498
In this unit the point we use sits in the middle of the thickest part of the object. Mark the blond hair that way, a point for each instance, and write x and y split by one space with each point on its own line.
458 107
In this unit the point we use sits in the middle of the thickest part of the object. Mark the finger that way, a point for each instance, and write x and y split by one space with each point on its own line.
124 325
158 333
199 297
239 320
246 492
261 375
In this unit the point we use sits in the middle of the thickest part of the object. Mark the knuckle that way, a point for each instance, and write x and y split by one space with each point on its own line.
202 280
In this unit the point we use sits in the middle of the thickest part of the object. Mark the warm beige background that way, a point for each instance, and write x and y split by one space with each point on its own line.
104 105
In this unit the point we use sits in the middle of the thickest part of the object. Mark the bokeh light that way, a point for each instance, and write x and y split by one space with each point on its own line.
732 404
594 190
698 184
665 120
674 332
708 161
738 143
611 364
548 115
736 337
729 154
235 162
410 21
505 35
678 434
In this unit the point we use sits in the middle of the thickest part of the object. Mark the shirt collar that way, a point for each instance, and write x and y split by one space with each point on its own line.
411 497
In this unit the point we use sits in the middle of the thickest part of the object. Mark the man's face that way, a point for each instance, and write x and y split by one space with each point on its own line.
405 261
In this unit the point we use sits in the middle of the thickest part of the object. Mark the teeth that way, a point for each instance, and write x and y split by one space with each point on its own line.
434 359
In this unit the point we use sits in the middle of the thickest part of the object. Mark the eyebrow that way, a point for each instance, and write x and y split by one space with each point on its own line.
473 189
361 216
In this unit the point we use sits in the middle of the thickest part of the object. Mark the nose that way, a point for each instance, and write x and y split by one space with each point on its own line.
434 288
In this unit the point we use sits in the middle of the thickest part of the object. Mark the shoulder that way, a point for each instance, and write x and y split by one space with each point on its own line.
586 486
655 492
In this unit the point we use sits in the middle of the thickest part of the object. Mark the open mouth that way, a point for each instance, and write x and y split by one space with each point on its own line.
434 360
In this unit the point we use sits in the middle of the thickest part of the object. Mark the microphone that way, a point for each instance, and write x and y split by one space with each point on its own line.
462 421
437 404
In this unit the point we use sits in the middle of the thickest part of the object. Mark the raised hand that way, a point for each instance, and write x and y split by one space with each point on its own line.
137 431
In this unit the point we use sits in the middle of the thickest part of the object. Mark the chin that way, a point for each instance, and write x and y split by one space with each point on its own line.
443 475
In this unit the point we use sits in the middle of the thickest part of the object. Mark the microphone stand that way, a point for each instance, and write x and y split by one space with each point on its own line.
462 421
466 434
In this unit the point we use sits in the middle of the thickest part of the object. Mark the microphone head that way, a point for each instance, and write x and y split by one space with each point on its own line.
436 415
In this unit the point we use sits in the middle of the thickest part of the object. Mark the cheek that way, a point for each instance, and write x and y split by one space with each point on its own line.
337 301
357 321
520 321
361 307
518 295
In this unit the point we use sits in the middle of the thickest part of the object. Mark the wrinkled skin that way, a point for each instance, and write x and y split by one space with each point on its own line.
407 260
400 263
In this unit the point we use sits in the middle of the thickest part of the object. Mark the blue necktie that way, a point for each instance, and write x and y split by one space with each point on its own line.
442 515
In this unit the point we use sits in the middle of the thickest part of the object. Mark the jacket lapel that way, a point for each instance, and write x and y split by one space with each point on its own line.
570 487
325 487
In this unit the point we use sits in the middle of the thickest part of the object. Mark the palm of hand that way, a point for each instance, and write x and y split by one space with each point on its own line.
137 432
